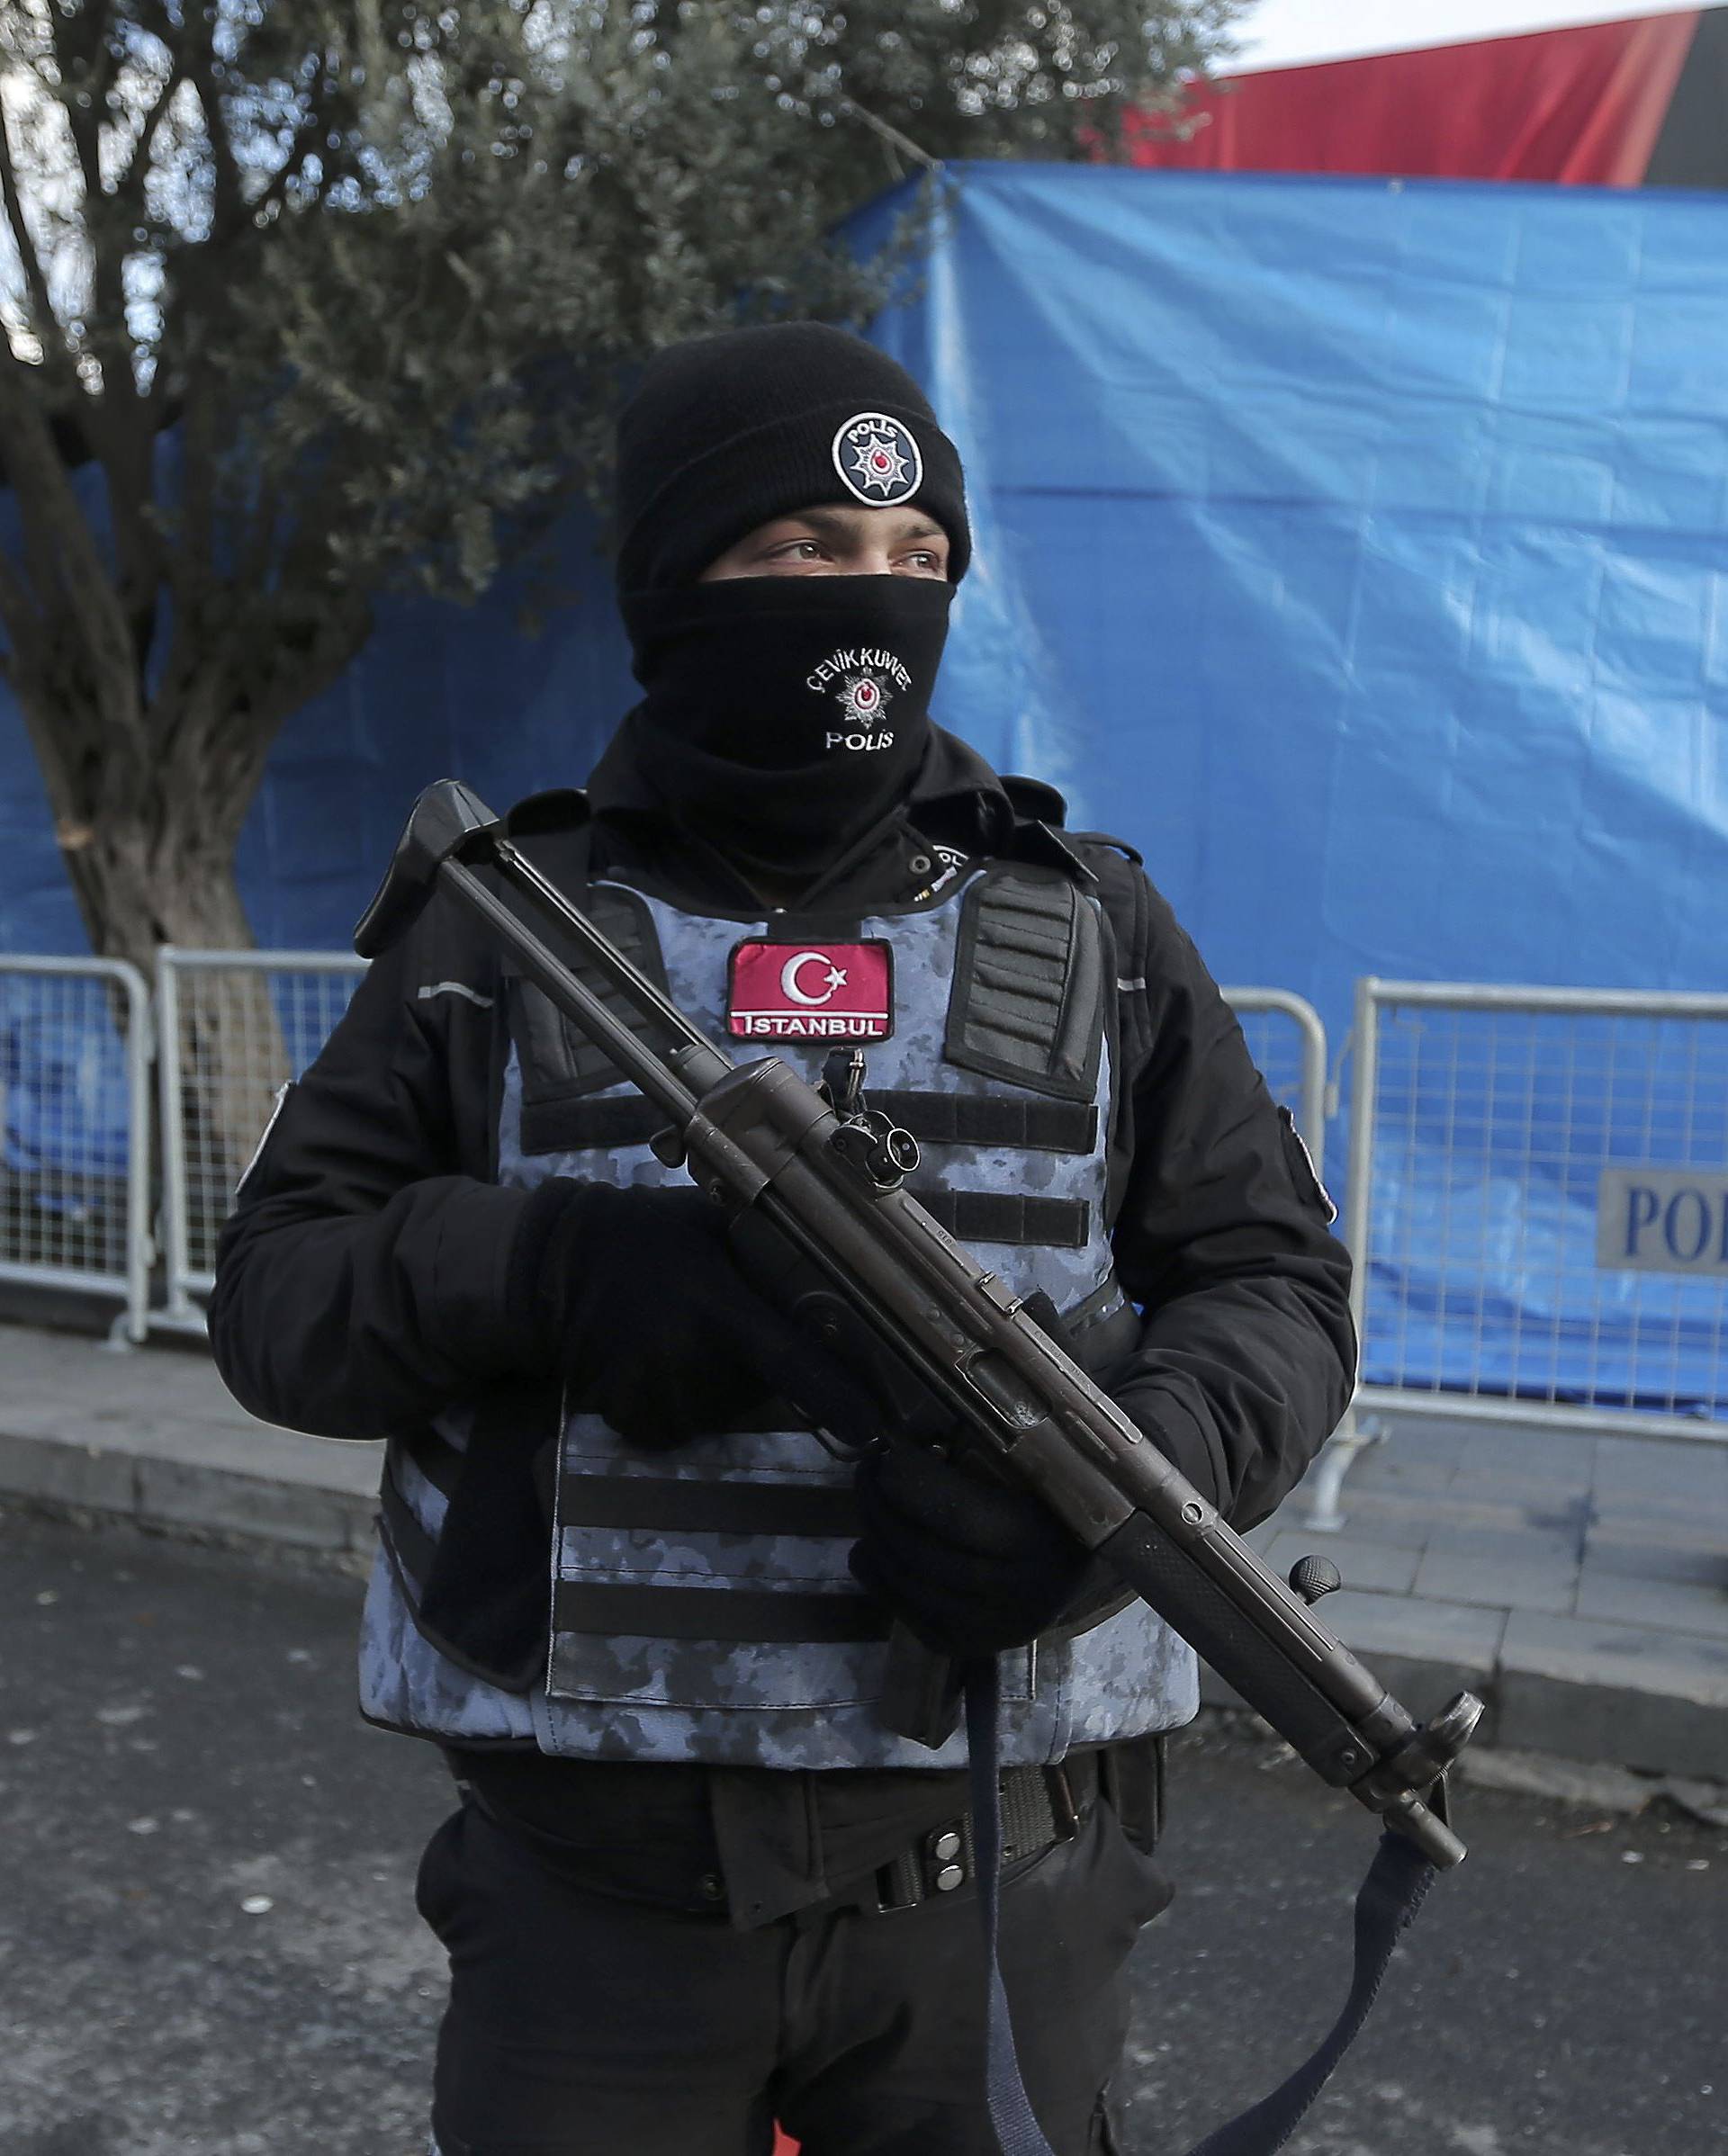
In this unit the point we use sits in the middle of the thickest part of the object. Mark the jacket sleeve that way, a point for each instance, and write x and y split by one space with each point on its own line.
362 1280
1247 1353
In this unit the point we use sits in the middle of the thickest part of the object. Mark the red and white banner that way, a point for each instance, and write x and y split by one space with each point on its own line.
1582 105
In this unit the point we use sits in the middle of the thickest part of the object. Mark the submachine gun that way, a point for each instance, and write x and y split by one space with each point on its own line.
944 1338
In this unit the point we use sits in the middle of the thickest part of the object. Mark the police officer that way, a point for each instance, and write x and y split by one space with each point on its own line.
696 1882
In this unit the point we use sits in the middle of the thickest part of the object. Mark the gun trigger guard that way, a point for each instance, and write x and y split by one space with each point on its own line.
837 1448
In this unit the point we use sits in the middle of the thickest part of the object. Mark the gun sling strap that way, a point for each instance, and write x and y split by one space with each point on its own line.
1386 1905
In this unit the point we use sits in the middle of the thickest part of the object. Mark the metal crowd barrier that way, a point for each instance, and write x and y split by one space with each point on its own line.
1538 1205
1537 1199
74 1131
236 1025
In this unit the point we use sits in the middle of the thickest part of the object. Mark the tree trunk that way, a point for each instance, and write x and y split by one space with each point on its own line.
151 862
150 785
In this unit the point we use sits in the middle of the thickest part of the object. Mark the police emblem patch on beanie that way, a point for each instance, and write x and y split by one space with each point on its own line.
877 459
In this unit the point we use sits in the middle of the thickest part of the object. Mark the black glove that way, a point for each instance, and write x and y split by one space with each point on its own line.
640 1305
971 1566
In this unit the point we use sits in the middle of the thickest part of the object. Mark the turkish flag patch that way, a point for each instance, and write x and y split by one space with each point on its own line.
810 990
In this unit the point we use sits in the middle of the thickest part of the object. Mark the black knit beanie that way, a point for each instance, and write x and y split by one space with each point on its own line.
728 432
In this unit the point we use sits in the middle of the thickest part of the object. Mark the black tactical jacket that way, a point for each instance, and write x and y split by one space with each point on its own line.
363 1280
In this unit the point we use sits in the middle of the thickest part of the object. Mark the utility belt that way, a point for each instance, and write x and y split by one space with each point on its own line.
1040 1806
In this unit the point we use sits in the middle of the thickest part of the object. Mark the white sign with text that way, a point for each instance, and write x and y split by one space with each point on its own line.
1662 1219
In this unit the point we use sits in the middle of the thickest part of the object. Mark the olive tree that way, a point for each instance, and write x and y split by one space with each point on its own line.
305 301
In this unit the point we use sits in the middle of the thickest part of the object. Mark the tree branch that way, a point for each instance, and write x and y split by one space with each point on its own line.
65 563
891 135
118 423
53 336
84 121
18 618
96 55
190 563
229 206
129 186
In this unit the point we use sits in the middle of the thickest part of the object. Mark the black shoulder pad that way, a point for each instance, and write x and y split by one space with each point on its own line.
1027 1003
1104 837
1032 798
558 808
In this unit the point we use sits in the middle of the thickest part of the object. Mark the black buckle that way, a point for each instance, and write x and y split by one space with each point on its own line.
939 1861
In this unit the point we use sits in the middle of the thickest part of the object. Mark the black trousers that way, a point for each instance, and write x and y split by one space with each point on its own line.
582 2025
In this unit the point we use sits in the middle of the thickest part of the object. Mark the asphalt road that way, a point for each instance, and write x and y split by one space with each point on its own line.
207 1942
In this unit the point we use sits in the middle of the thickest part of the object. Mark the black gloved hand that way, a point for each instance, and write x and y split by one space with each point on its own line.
642 1308
972 1566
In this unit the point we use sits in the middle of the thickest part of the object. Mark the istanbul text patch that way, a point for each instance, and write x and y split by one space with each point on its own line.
810 990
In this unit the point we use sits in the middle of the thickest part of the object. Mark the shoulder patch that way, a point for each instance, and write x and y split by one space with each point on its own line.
1301 1163
283 1092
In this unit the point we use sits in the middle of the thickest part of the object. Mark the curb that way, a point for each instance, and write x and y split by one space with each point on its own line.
217 1475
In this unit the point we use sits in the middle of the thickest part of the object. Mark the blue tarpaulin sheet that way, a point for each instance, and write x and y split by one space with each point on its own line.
1355 548
63 1083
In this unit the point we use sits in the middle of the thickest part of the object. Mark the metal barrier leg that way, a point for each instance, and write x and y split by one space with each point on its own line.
1352 1437
180 1316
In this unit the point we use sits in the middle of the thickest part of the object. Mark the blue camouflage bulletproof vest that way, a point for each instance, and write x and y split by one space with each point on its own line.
701 1606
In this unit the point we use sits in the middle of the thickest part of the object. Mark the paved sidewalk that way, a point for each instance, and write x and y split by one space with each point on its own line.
1579 1584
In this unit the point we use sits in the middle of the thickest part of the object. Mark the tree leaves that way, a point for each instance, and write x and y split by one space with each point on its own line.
338 296
416 238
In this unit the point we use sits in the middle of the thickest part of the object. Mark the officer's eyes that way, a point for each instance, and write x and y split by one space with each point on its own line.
923 562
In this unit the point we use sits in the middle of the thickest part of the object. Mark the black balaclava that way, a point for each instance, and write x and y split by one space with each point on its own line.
783 714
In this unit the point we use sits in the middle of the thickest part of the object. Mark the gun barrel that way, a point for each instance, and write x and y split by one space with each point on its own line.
601 950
